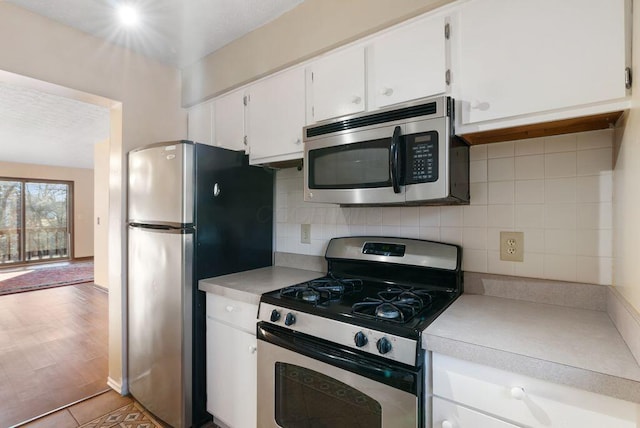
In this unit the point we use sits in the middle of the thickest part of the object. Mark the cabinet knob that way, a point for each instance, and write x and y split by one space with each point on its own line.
447 424
387 92
252 349
356 100
229 308
298 141
517 393
216 190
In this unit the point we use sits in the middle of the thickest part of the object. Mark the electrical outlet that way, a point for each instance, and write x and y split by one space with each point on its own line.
305 233
512 246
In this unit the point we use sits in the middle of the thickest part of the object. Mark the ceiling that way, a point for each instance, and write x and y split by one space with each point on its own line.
44 129
176 32
40 128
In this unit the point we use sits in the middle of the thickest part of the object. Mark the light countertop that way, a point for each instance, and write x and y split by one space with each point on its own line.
576 347
248 286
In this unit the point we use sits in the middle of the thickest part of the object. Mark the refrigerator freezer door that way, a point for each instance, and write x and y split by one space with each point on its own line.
161 184
159 314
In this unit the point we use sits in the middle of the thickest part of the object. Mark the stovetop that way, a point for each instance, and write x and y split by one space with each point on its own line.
401 309
378 296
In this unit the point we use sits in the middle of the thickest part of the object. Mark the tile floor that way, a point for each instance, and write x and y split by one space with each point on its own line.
106 410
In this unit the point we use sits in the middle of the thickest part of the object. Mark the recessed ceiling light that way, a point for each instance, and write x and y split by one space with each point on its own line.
128 15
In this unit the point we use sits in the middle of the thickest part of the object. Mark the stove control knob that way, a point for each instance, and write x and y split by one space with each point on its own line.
290 319
275 315
360 339
383 345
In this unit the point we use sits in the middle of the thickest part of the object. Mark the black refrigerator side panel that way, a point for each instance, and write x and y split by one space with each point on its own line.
234 232
234 213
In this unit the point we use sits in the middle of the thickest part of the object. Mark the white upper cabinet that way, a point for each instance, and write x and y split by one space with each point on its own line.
520 56
336 85
275 117
408 63
200 123
229 121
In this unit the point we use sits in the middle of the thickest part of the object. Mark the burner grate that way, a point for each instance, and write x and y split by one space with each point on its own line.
398 305
323 290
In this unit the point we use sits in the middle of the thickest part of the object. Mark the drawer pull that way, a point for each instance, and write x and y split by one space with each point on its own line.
447 424
229 308
517 393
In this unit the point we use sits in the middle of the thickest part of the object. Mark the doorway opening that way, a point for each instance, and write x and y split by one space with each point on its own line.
54 347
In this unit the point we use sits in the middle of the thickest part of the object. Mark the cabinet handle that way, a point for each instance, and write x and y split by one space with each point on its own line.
356 100
517 393
477 105
387 92
252 349
447 424
229 308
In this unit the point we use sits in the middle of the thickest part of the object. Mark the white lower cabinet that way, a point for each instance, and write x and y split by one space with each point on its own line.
467 394
231 362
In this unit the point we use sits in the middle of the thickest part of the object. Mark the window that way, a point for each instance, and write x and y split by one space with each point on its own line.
35 221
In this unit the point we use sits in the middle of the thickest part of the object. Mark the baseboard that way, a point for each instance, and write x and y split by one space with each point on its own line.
82 259
116 386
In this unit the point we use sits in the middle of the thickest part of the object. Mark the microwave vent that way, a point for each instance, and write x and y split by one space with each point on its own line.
373 119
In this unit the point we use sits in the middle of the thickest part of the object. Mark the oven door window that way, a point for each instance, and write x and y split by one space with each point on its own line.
306 398
351 166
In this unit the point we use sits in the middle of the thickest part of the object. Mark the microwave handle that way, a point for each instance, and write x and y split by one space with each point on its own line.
393 159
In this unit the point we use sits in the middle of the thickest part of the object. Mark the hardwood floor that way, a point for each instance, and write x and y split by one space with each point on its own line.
53 350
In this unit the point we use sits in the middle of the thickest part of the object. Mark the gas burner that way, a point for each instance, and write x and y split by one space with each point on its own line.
394 304
388 311
323 290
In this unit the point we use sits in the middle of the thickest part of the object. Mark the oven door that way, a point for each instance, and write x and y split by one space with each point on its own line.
357 167
306 382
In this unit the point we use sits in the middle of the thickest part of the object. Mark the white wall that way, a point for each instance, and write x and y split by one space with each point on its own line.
101 214
82 179
626 188
149 93
557 190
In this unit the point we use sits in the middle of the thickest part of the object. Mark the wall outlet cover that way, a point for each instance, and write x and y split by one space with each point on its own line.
512 246
305 233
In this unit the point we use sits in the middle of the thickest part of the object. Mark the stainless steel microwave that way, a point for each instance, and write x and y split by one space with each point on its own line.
403 155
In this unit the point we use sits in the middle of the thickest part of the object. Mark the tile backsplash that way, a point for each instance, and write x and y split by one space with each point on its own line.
557 190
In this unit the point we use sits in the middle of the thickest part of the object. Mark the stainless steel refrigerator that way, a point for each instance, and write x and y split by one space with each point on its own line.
194 212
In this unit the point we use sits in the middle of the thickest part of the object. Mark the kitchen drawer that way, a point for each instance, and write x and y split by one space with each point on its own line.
238 314
450 415
527 401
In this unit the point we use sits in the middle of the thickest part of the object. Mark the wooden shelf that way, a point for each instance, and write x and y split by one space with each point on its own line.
565 126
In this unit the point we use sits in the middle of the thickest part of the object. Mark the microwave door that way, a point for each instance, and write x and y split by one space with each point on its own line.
355 168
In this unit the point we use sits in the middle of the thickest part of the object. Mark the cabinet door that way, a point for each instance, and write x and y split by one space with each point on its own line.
231 375
408 63
447 414
519 56
200 123
336 85
229 121
527 401
275 117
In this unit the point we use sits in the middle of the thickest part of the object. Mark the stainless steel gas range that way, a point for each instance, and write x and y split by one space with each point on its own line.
344 350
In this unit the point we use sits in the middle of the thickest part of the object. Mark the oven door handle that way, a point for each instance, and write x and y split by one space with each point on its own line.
394 159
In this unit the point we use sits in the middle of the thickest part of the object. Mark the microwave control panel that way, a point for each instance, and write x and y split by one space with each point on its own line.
421 157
